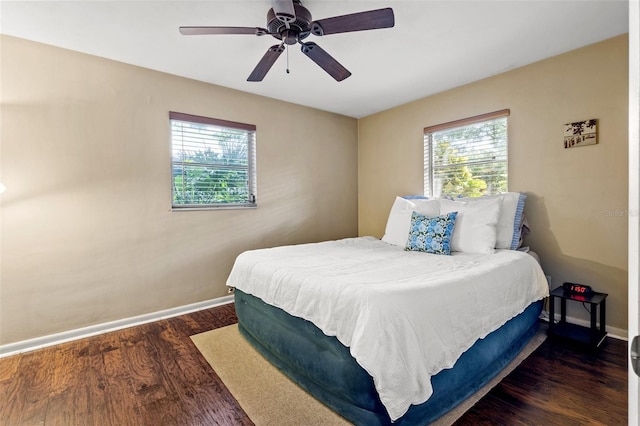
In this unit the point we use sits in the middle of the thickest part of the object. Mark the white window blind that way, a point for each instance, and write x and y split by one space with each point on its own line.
466 158
213 162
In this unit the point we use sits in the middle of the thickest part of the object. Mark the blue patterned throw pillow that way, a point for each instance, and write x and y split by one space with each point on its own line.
431 234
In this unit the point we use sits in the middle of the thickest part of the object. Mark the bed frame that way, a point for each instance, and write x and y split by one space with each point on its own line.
324 367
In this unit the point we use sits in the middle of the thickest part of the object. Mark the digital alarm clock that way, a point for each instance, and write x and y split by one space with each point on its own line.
580 289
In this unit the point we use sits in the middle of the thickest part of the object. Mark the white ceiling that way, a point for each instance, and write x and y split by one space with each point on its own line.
434 46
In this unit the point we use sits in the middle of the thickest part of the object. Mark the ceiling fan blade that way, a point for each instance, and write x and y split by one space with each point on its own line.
266 62
371 20
222 30
325 61
284 10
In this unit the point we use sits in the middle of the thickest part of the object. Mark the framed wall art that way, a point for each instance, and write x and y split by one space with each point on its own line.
581 133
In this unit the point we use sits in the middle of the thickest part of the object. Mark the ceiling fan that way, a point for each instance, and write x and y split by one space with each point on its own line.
291 23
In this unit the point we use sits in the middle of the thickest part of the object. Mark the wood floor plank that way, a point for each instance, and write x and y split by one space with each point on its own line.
69 402
145 369
201 321
35 372
12 391
154 375
9 367
112 397
113 403
205 394
168 411
179 356
97 385
226 314
71 407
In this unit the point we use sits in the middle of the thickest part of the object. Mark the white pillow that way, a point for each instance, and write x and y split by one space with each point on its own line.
475 228
399 221
510 220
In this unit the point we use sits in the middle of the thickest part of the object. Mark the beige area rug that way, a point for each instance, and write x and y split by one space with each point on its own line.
269 397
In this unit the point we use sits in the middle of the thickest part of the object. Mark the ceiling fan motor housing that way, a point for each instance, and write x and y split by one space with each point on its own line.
290 29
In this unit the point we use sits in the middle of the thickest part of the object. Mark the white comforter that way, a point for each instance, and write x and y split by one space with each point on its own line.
404 315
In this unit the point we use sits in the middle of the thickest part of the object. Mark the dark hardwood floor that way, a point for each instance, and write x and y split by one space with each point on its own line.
560 384
153 375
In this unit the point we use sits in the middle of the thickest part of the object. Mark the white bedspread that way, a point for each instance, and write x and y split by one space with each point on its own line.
404 315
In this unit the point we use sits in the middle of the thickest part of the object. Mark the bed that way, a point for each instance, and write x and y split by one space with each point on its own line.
382 334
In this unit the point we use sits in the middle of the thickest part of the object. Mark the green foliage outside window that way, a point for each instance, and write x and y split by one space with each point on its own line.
210 165
468 161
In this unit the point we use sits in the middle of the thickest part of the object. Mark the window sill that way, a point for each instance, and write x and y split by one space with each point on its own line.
233 207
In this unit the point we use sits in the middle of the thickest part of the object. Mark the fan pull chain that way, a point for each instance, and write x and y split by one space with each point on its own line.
287 47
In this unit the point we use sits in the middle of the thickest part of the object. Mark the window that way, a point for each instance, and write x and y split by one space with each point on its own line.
213 163
466 158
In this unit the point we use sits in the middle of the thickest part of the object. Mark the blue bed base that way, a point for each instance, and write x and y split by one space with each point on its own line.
322 366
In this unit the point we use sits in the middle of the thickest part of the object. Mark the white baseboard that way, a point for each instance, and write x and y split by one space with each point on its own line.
613 332
93 330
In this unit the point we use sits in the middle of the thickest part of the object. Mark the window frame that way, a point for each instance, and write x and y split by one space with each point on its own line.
428 167
251 161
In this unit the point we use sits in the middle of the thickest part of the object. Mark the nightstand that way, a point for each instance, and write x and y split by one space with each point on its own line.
593 335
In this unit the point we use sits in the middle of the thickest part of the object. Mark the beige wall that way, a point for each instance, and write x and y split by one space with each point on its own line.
87 232
577 198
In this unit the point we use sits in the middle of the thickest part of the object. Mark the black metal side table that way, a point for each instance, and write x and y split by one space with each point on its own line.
593 335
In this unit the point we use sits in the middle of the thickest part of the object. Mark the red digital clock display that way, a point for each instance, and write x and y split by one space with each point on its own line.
579 289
